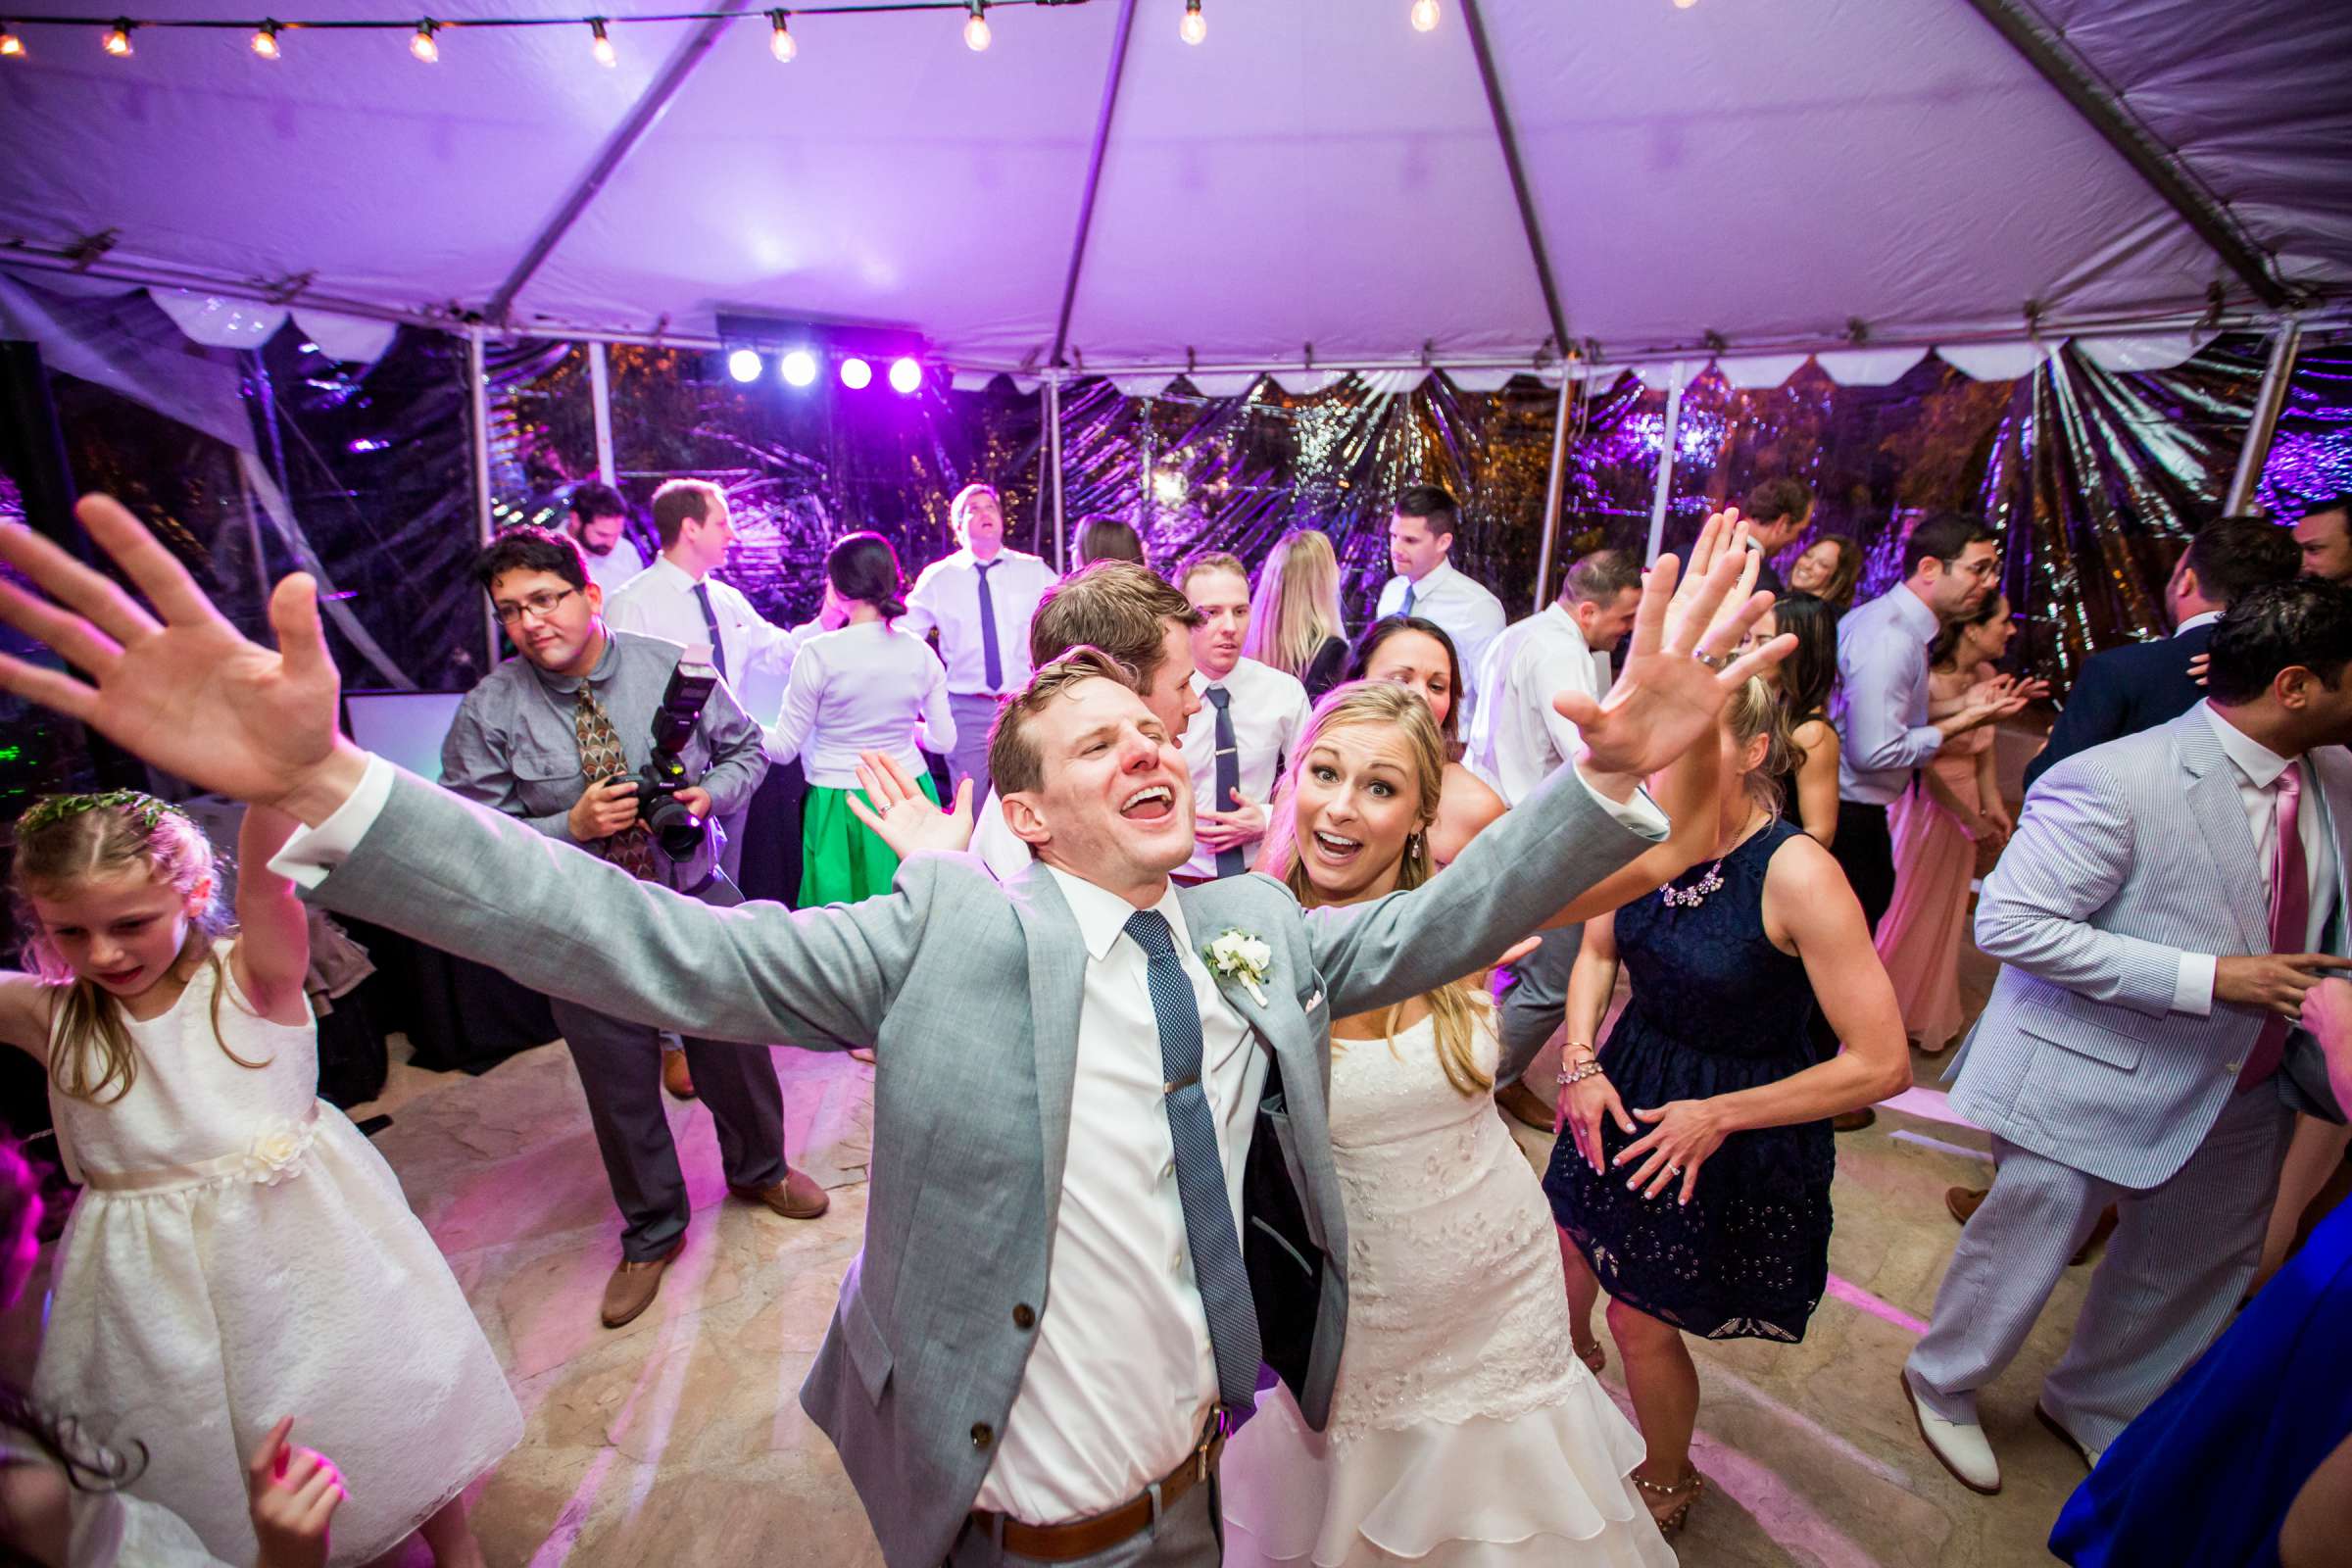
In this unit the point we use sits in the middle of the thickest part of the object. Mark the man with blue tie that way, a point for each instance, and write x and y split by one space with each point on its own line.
979 600
1427 583
1252 716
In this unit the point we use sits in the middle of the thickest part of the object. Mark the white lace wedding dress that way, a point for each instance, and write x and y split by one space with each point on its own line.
1465 1433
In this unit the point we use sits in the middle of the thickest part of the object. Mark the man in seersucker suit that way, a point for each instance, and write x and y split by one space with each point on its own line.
2166 903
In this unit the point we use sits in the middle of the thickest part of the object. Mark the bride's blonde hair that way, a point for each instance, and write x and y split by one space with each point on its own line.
1401 712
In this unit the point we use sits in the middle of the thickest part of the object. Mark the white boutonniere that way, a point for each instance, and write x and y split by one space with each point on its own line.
1239 955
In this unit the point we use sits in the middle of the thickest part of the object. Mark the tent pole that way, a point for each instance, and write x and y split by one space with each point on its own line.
478 386
2263 423
1508 141
600 393
1086 195
1053 467
1555 486
1674 425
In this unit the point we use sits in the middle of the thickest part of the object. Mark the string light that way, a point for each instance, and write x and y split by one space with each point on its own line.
12 47
1425 16
118 40
600 45
975 31
423 46
264 39
1194 25
1683 5
779 41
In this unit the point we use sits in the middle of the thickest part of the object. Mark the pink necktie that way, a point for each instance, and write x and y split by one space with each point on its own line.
2290 911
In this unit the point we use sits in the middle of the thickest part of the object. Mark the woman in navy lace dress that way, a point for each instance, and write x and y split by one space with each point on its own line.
1696 1181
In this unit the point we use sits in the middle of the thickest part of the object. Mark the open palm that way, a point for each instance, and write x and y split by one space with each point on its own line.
187 693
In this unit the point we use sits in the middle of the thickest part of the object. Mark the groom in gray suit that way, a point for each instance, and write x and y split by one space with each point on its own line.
2159 916
1035 1356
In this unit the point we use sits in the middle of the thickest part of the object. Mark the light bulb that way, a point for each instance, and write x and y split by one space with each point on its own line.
1194 26
975 31
1683 5
798 367
423 46
265 41
1425 16
12 47
600 45
118 40
744 365
779 41
856 375
906 376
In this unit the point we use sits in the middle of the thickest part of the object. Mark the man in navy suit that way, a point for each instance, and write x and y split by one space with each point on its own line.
2141 685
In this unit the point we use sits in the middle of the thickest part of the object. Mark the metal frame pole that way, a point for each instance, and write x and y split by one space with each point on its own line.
1556 487
1674 425
2263 424
478 388
600 393
1061 534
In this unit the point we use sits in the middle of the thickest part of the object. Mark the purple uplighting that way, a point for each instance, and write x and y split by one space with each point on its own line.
856 375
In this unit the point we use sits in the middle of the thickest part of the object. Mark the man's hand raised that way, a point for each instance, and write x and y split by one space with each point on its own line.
185 692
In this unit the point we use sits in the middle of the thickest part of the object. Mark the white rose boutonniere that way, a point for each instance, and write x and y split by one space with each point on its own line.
277 1150
1239 955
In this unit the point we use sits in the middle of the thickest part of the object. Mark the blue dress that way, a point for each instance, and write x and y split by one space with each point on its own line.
2207 1473
1715 1008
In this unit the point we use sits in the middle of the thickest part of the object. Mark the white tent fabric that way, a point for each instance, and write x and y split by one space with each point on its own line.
1316 187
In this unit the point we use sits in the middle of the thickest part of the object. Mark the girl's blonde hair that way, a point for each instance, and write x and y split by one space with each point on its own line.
65 839
1754 711
1295 608
1397 710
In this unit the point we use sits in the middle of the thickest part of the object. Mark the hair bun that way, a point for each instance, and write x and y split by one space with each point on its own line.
892 608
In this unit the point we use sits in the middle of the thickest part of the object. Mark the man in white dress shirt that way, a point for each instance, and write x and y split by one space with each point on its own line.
1426 584
979 600
1253 715
1517 737
600 525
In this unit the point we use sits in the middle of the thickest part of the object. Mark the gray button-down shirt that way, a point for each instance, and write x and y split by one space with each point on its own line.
1882 708
514 746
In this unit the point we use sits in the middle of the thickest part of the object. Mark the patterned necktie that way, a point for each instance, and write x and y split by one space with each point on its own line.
718 648
1208 1226
1230 863
1408 598
2290 912
601 756
991 655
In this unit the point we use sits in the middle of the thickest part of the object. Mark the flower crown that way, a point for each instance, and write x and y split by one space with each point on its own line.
52 809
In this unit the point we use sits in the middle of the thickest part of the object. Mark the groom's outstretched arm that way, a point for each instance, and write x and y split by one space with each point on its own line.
402 854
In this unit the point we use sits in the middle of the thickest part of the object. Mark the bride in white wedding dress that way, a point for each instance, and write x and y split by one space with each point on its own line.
1464 1431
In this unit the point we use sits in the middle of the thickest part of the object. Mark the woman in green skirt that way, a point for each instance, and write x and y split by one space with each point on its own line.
867 687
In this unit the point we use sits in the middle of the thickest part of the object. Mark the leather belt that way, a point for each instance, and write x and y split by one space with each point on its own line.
1084 1538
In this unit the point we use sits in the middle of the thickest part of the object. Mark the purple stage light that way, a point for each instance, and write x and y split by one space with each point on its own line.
744 365
905 376
856 375
798 367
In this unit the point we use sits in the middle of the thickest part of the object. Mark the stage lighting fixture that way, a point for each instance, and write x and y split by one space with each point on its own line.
906 376
744 365
599 44
1425 16
265 41
1194 26
798 367
975 31
118 40
855 373
423 46
779 37
12 47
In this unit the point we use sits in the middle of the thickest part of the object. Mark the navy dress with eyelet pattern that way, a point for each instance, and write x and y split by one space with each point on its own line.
1715 1009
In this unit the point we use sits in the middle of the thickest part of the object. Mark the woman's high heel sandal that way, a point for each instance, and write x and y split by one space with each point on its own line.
1593 1355
1689 1489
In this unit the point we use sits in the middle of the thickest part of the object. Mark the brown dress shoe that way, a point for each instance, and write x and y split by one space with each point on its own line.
633 1286
676 1077
796 1197
1853 1121
1525 1107
1963 1202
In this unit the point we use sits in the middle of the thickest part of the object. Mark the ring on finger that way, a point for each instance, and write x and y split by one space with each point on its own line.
1712 660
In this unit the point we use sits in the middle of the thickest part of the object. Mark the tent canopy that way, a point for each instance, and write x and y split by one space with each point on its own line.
1316 181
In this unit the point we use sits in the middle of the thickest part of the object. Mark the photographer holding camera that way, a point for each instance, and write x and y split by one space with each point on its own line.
563 738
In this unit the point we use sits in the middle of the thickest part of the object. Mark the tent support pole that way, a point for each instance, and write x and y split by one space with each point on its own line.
2133 142
478 388
1508 141
1674 426
599 395
1555 486
624 141
2269 403
1086 211
1061 534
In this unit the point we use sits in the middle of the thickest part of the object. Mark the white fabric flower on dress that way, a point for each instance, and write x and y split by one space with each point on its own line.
277 1148
1239 955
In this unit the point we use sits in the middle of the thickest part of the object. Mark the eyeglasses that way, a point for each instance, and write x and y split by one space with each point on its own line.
539 605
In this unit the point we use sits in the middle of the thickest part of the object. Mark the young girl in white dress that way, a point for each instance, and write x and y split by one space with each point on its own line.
240 1253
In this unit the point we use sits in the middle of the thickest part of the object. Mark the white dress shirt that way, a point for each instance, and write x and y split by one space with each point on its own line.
1516 736
1882 704
614 570
864 688
2256 769
2194 622
1472 616
659 602
1269 710
946 598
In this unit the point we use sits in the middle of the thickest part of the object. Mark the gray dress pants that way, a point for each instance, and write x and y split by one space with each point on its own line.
973 714
1536 1001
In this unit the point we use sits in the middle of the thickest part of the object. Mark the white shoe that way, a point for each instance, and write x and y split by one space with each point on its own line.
1960 1447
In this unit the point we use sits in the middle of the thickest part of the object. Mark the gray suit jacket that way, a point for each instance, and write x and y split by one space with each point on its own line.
970 993
2130 853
